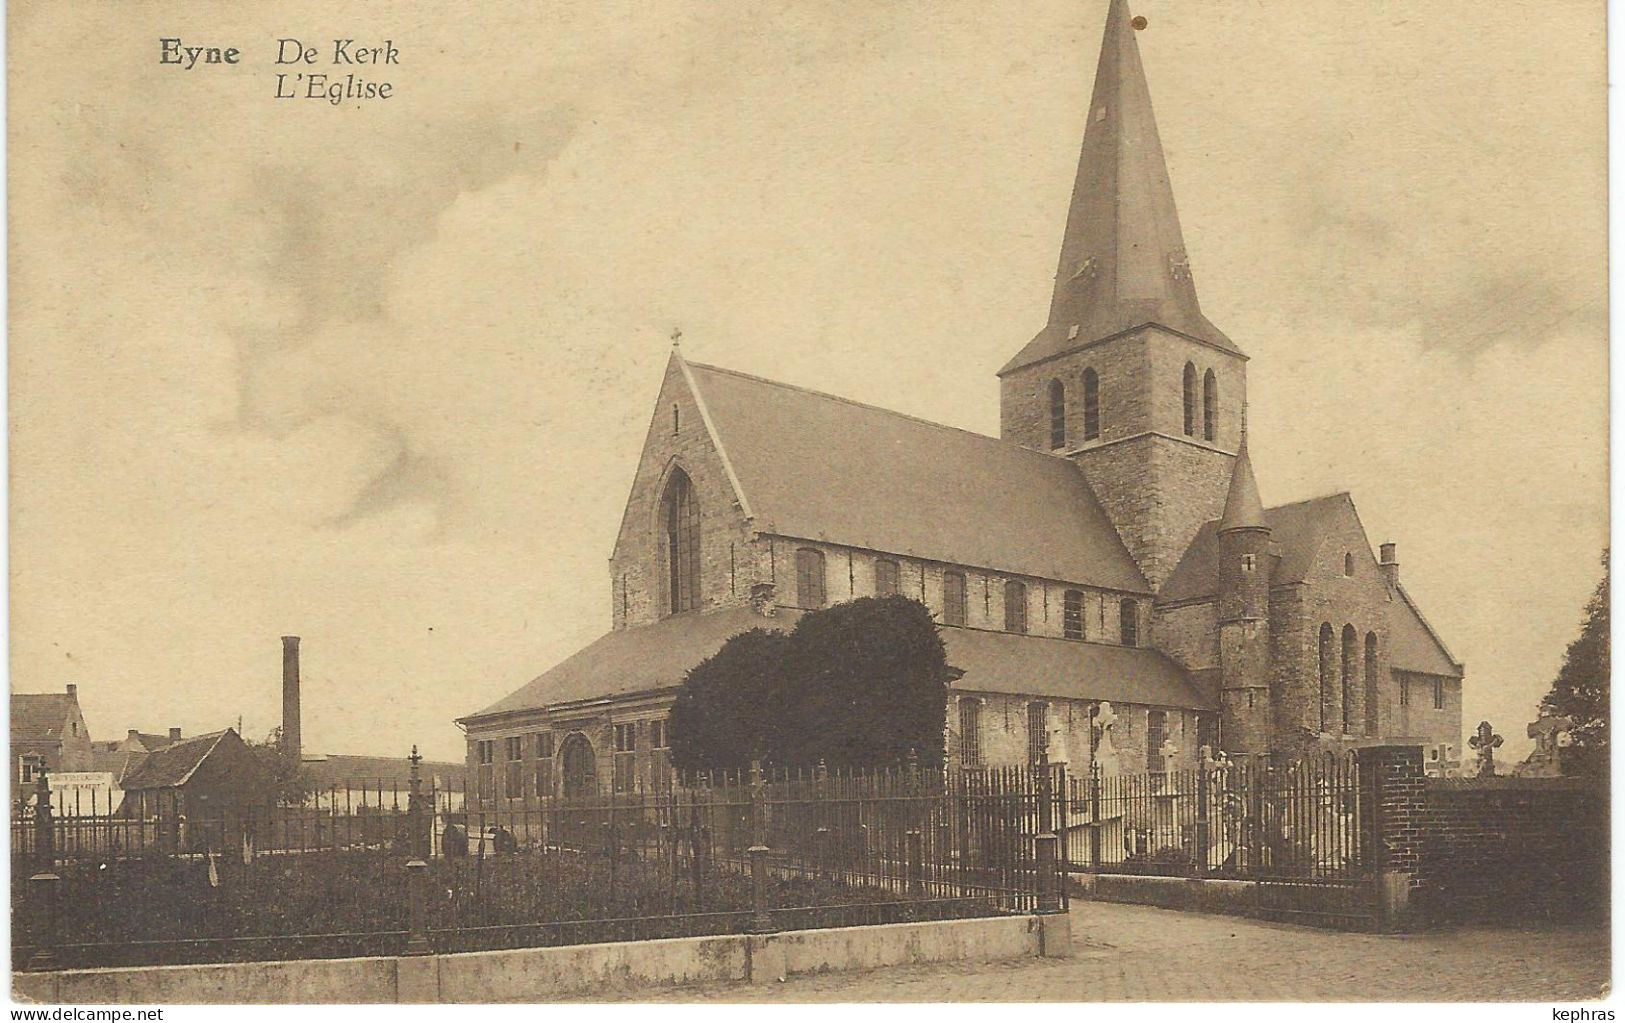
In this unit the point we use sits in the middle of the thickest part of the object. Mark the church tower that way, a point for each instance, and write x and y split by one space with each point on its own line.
1128 378
1245 719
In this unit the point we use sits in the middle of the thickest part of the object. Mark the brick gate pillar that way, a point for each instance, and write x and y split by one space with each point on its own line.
1393 798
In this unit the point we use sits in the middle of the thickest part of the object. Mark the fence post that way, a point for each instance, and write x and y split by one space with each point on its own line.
761 921
1392 801
417 908
1204 792
914 852
416 845
44 824
1049 886
1094 814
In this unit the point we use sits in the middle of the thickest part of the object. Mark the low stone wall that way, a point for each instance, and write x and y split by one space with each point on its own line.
541 974
1512 850
1199 895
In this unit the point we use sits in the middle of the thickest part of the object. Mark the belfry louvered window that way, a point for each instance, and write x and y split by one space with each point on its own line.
680 516
1091 404
1190 400
1057 414
1210 406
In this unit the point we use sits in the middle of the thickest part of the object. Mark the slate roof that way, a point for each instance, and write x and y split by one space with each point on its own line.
657 656
818 467
1295 529
39 717
1123 260
172 765
1412 643
999 662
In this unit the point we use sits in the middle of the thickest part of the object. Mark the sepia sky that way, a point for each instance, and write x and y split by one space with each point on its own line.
378 374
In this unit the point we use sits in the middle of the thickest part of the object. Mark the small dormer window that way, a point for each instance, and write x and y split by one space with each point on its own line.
1348 563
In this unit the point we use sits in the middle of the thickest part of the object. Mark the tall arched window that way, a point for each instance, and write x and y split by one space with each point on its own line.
1072 614
1057 414
810 578
1091 404
1351 651
1015 607
680 518
1128 624
1328 674
1210 406
1371 722
953 598
1190 400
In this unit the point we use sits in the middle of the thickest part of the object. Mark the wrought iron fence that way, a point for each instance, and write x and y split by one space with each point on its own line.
1299 820
370 869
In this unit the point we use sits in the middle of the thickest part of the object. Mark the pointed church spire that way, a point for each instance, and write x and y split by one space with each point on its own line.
1123 260
1242 507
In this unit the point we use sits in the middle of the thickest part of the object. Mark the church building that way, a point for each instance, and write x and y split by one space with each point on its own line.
1109 584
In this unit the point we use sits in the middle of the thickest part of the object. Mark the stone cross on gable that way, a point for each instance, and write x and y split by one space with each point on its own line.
1485 741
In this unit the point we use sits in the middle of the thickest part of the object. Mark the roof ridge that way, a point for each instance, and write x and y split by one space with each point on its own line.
1427 626
1010 445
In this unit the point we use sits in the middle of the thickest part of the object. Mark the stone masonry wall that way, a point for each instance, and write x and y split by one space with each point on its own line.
850 573
727 555
1328 596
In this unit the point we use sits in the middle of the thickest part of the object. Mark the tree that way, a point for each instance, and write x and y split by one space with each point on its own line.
859 684
869 686
723 712
286 773
1580 691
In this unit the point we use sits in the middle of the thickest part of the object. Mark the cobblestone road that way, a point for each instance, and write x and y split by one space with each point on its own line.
1136 953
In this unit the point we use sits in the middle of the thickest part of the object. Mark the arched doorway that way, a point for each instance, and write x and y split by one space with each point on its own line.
580 767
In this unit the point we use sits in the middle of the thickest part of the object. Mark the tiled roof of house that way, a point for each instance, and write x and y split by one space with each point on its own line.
39 716
658 656
171 765
118 763
817 467
339 770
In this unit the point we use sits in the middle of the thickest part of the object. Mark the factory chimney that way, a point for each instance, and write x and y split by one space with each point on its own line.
290 696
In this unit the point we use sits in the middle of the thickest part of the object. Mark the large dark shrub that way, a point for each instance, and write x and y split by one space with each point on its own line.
860 684
723 715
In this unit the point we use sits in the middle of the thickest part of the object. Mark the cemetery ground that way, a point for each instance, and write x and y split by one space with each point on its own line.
1139 953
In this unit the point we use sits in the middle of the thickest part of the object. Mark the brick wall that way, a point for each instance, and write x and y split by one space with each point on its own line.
1507 850
1502 850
